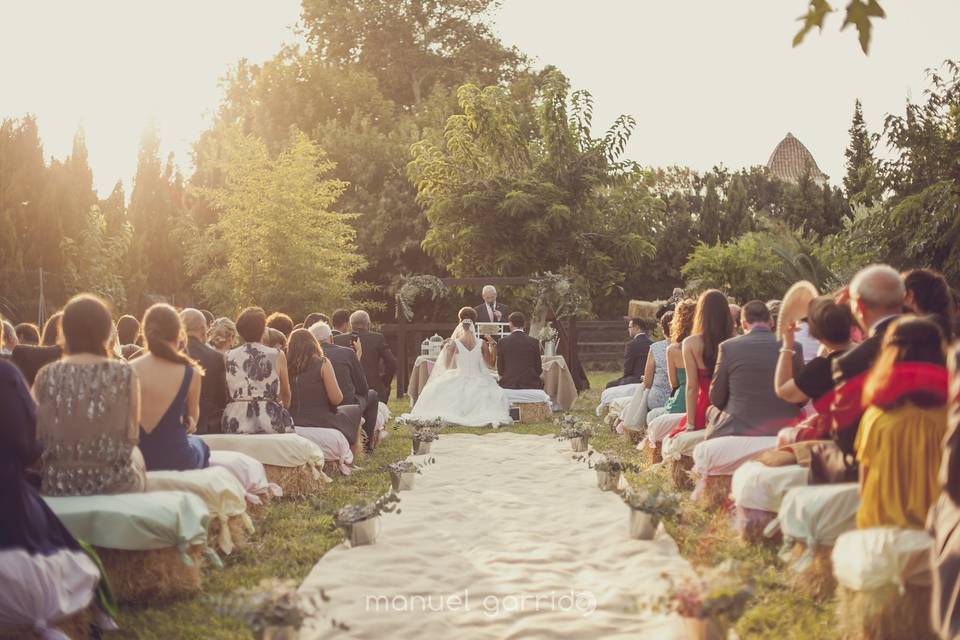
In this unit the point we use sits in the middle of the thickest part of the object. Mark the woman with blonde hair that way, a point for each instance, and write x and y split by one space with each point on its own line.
222 334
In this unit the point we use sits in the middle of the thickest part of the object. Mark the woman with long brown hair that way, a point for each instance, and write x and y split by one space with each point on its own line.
712 324
170 396
900 441
315 396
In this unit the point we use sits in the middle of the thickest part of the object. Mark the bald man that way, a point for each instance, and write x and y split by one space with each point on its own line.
876 299
491 310
213 385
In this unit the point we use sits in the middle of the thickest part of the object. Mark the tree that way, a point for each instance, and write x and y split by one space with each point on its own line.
860 179
501 203
737 216
860 13
710 214
746 268
276 242
94 261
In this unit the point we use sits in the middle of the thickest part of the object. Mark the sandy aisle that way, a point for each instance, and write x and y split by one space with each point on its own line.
495 523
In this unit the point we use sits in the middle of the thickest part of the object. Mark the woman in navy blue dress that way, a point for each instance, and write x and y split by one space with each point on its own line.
169 396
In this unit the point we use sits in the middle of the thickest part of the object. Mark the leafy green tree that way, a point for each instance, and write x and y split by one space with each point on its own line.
746 268
276 241
710 213
737 214
94 260
860 181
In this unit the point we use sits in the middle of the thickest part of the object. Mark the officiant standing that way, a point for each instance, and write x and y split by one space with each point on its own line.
491 310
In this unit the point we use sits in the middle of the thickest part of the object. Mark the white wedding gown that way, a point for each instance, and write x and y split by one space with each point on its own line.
463 392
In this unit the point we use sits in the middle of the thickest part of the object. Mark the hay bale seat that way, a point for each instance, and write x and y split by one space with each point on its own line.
225 499
758 491
151 544
532 412
883 584
715 461
290 461
680 472
811 518
677 451
46 592
251 474
651 455
715 491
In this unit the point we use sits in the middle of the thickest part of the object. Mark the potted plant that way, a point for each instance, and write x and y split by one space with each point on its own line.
647 508
548 340
404 473
274 609
609 469
422 439
578 435
709 603
361 522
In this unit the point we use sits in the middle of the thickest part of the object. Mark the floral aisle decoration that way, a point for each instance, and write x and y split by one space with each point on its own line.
361 522
403 474
647 507
274 609
409 288
578 433
709 603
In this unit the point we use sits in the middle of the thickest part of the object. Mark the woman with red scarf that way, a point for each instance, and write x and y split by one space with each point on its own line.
900 441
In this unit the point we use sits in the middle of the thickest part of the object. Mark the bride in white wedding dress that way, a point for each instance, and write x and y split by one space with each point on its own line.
461 390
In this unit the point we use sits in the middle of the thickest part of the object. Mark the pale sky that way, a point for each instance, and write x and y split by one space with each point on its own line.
709 82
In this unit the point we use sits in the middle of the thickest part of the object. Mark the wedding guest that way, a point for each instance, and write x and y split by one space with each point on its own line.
10 339
680 327
275 339
634 354
207 316
378 361
876 296
830 325
655 377
280 322
27 333
900 441
256 380
518 357
928 294
128 331
317 401
26 522
88 410
351 380
213 384
343 333
741 390
712 324
944 520
31 358
51 330
169 396
222 335
491 310
735 316
313 318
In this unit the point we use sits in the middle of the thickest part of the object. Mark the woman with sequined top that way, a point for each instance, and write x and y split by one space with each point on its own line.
88 410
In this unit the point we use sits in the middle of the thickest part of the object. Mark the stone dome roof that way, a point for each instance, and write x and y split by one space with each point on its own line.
791 160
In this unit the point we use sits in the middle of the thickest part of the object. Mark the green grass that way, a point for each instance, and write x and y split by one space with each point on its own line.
293 535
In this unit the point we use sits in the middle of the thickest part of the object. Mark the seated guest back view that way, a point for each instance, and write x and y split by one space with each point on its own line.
222 335
27 333
170 396
900 440
518 357
88 410
634 354
742 388
315 394
30 358
257 381
213 387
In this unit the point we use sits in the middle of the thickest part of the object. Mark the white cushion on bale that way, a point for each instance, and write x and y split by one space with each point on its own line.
223 494
41 590
868 559
335 446
817 514
136 521
723 456
528 396
757 486
609 395
249 471
277 449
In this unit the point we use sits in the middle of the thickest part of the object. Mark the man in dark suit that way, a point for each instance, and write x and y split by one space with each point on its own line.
635 354
491 310
379 363
213 384
518 357
342 333
876 298
742 394
350 378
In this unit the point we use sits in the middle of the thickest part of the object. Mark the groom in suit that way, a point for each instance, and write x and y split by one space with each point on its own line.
518 357
491 310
